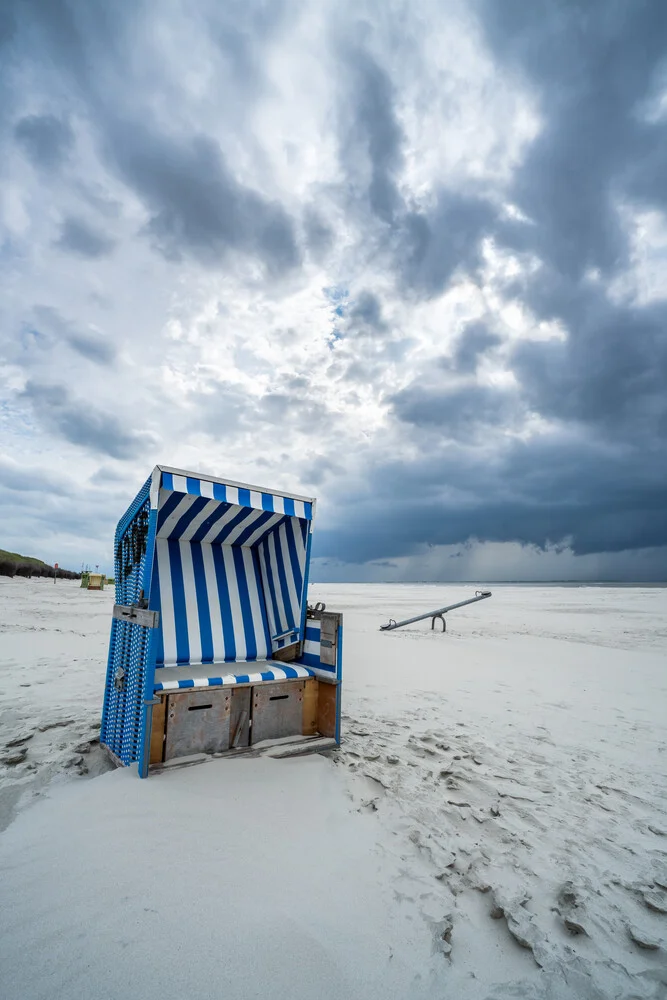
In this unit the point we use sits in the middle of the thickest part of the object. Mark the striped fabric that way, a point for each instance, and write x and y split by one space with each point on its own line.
237 495
311 650
282 559
211 603
170 680
229 571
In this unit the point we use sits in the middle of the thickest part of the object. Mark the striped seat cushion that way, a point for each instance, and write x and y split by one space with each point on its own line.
172 678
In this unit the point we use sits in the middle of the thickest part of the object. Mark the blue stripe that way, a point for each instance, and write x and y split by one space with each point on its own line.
186 684
313 633
246 610
208 523
170 504
178 591
310 660
156 606
203 609
193 485
242 678
289 507
262 601
213 681
244 497
167 481
257 523
267 502
294 559
308 508
219 492
290 672
225 606
234 523
186 519
282 577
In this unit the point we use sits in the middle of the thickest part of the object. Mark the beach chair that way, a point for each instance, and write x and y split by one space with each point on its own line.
213 647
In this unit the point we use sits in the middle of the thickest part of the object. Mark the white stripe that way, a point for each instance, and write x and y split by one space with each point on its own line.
180 484
281 624
265 587
206 488
232 494
277 674
255 605
219 525
312 647
263 528
198 520
167 621
294 597
214 605
279 504
299 508
191 613
181 508
241 526
255 499
235 601
300 548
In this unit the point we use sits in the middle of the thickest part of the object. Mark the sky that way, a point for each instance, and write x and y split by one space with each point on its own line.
406 256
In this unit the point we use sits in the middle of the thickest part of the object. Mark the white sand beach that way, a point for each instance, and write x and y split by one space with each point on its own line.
494 825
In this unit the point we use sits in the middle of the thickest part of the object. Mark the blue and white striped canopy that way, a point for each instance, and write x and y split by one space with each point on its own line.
229 574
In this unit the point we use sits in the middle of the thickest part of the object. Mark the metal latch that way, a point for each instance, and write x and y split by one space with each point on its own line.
119 679
136 615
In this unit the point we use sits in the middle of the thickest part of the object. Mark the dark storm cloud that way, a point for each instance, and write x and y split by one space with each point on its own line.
45 139
591 68
427 246
195 202
472 344
78 237
604 484
81 423
458 411
372 128
533 493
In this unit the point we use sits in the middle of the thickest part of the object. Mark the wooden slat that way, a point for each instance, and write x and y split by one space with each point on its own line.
287 653
310 707
157 732
326 709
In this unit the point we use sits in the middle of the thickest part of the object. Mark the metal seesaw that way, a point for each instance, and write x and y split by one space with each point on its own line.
480 595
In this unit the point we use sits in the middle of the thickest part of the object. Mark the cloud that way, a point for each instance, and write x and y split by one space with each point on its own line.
473 344
78 237
195 202
45 139
457 411
532 493
397 258
92 346
81 423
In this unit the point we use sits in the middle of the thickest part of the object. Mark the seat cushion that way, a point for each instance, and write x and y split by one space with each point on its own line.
172 678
